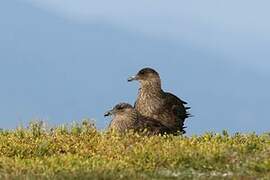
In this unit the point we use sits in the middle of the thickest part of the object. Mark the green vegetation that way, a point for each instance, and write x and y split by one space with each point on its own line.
81 152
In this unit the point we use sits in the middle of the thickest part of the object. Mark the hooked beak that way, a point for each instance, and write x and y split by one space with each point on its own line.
132 78
108 113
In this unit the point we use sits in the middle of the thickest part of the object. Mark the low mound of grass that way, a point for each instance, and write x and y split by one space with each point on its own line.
82 152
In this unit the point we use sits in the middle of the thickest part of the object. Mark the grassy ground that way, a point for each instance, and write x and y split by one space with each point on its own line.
81 152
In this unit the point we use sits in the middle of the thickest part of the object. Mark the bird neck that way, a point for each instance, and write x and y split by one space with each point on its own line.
133 116
127 118
151 88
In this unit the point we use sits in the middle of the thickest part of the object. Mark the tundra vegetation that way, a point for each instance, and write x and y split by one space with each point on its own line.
80 151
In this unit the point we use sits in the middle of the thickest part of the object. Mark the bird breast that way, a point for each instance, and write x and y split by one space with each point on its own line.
149 104
122 123
153 105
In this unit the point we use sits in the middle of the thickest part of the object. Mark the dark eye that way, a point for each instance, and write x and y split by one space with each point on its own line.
119 107
142 72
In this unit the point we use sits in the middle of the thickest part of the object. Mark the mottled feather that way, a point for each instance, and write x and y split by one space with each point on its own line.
153 102
126 118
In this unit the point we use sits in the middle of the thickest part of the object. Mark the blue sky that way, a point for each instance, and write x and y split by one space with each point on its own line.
62 61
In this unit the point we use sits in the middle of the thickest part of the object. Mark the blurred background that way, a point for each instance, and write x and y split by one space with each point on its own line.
63 60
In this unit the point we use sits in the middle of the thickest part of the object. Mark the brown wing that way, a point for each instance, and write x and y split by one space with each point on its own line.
177 105
152 126
179 110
